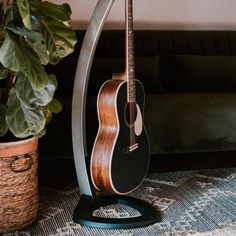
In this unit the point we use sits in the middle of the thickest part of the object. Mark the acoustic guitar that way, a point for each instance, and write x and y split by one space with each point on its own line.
120 155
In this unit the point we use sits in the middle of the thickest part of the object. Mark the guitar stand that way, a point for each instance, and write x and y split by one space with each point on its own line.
83 213
89 201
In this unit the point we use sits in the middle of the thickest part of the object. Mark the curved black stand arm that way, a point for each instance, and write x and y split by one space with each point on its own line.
89 201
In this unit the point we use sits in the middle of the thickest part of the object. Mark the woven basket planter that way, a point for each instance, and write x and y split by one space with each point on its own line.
18 184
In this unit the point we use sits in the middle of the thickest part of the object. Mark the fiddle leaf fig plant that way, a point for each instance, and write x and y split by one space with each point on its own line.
33 33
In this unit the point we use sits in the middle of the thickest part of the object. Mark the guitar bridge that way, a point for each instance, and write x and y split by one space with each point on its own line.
133 147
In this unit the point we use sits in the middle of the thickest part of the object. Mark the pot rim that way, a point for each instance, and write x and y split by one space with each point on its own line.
21 147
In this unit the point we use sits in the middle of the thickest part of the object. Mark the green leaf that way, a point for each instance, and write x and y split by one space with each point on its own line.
35 40
41 51
18 56
23 121
34 98
59 39
30 35
3 72
55 11
12 15
41 133
24 9
54 106
3 124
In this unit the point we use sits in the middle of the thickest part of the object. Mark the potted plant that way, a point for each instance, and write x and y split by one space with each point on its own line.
33 33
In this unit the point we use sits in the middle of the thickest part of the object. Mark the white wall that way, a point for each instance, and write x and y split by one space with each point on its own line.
162 14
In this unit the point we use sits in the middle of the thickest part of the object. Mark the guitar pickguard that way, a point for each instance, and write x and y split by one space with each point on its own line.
138 124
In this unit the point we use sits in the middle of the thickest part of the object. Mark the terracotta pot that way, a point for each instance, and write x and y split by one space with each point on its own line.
18 184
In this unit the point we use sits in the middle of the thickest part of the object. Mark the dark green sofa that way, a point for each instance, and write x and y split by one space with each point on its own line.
190 83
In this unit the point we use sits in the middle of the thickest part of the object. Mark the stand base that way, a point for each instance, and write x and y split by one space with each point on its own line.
83 213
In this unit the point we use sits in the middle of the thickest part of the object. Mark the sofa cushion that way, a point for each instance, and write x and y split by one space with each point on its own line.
146 69
188 73
191 122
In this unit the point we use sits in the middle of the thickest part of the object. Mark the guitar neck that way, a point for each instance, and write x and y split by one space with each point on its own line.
129 39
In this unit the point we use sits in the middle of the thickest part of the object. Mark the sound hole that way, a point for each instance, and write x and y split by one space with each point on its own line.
130 113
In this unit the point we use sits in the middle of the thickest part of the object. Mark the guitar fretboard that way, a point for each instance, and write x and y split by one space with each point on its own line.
130 64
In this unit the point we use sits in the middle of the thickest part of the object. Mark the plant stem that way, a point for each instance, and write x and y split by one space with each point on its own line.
12 80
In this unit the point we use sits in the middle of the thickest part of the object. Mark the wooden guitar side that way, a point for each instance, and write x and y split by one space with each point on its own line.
106 136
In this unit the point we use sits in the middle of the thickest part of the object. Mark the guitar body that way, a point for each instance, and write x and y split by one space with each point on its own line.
114 167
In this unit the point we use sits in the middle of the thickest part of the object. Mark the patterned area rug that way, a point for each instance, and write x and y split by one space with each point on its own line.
192 203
